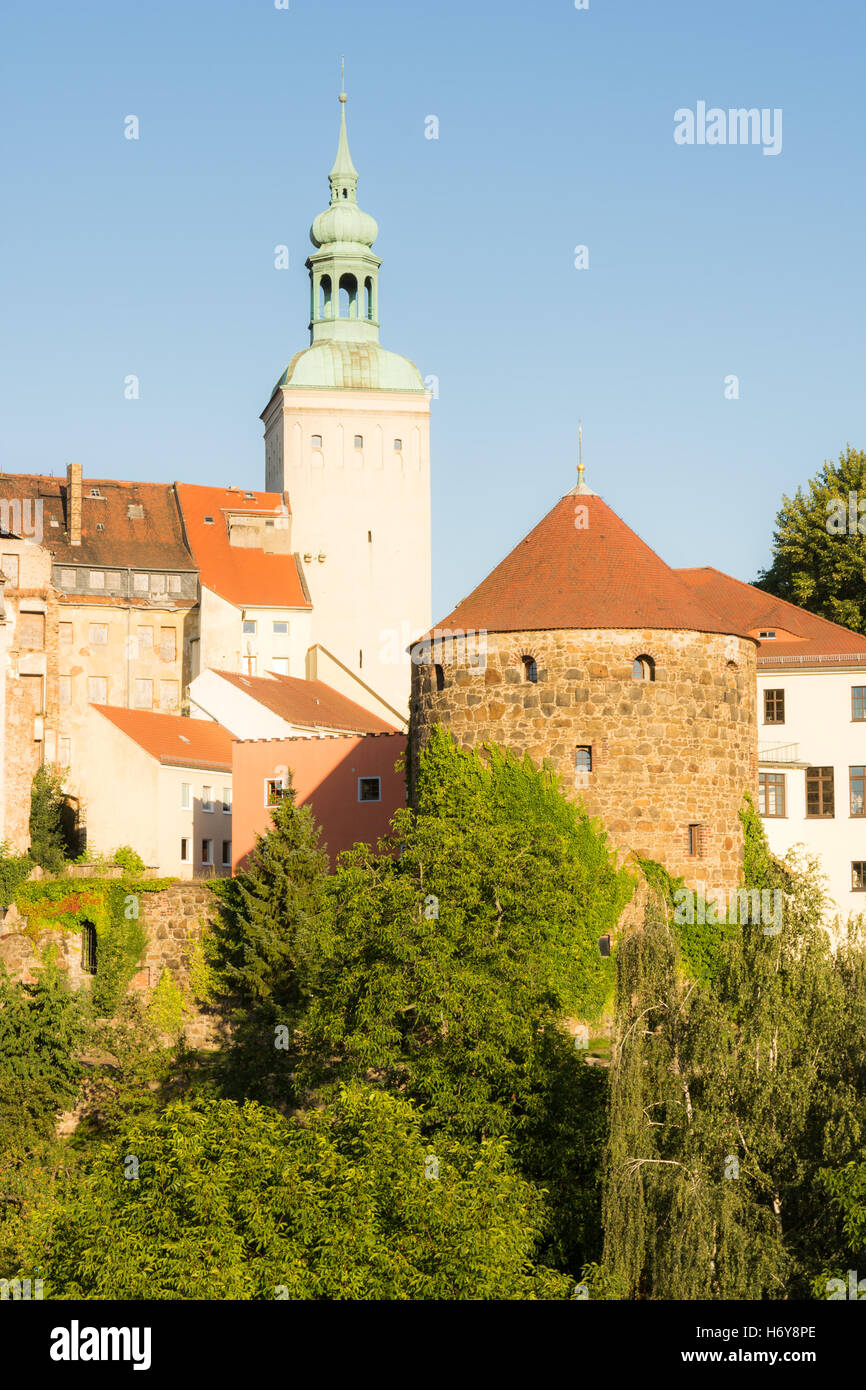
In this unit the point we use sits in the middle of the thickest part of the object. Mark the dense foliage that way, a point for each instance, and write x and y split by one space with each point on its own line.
736 1103
399 1108
819 560
48 847
234 1201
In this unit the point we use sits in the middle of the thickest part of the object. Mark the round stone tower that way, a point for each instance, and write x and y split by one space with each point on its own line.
585 650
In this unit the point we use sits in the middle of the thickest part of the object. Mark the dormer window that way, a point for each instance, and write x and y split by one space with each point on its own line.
249 497
94 492
208 521
767 632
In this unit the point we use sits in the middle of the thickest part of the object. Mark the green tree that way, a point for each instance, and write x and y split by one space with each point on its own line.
454 962
457 951
267 929
43 1027
229 1201
818 559
47 841
730 1097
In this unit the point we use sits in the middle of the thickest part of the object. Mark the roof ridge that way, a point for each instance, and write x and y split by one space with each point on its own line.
774 598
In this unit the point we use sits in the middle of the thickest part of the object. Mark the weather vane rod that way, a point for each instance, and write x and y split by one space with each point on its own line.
580 469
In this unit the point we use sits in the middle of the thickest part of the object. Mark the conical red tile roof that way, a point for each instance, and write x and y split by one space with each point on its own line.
595 575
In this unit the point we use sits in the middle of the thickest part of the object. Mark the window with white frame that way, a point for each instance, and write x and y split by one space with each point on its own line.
207 798
227 800
186 796
186 850
97 689
227 854
97 579
97 634
275 788
207 851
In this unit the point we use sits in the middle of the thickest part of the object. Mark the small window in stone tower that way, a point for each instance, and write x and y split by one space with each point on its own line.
583 758
359 441
439 673
530 669
643 668
696 841
317 441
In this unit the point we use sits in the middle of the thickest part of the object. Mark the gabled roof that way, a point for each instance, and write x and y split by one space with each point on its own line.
173 740
309 704
801 636
583 569
239 574
150 540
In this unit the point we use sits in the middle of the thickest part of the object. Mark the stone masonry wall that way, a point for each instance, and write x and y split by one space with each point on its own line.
171 919
667 754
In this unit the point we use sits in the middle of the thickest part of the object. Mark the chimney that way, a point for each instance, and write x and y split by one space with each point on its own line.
73 502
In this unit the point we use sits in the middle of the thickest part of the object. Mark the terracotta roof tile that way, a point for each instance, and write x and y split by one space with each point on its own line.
311 704
173 740
239 574
801 635
600 575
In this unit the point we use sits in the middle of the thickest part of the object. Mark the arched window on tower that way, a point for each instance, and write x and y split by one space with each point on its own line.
325 307
643 668
530 669
368 298
348 297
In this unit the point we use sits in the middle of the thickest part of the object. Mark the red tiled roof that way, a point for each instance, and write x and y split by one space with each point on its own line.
152 541
239 574
800 634
311 704
173 740
599 576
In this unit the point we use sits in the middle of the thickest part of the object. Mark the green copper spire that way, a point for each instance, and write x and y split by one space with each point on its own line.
344 272
343 177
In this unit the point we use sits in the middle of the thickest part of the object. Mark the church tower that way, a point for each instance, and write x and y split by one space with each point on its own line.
347 437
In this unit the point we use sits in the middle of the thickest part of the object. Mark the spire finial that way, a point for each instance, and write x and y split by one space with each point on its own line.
580 468
344 176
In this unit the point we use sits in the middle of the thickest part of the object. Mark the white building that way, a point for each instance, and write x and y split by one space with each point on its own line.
811 730
163 785
347 438
279 706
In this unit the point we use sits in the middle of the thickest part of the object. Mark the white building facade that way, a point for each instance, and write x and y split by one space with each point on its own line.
347 439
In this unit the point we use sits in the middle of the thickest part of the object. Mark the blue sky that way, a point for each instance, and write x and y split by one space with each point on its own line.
155 257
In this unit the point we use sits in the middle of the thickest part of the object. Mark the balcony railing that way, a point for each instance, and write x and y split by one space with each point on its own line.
778 752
